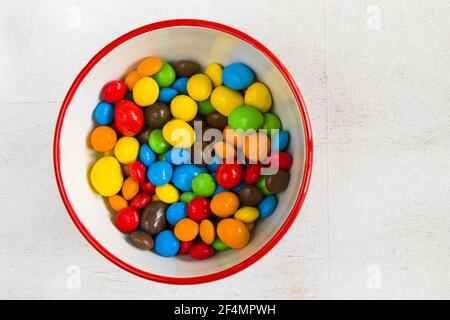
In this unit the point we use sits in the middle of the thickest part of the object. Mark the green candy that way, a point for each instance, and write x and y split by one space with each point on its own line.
219 245
261 185
271 122
205 107
157 142
245 118
161 157
129 95
166 76
203 185
187 197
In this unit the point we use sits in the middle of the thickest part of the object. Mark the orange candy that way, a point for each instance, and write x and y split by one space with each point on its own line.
186 229
224 204
132 78
224 150
103 139
233 137
233 233
256 146
130 188
155 198
149 66
207 231
117 203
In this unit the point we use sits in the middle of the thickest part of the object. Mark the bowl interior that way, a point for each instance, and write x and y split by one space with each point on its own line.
183 42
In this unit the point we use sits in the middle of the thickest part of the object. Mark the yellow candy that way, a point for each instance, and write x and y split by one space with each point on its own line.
179 133
183 107
145 92
207 231
214 72
167 193
247 214
186 229
132 78
106 176
258 96
126 149
199 87
225 100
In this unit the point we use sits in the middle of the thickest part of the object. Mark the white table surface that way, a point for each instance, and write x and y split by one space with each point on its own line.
375 76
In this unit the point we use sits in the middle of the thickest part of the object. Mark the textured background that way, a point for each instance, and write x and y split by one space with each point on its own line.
375 76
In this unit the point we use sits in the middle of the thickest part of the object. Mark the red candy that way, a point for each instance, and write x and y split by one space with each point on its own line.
147 187
185 246
252 173
137 171
128 118
114 91
140 201
198 209
229 175
201 251
127 220
284 160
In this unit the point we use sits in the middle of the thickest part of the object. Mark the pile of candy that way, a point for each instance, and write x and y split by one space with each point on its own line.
171 190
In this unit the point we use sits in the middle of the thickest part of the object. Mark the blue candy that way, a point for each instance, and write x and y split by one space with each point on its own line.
237 76
219 189
183 175
214 164
177 156
280 141
104 113
167 94
166 244
267 206
159 173
146 155
180 85
175 212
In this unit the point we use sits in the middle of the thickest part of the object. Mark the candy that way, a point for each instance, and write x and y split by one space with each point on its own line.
183 107
137 171
186 68
147 187
205 107
106 176
128 118
233 233
250 196
201 251
184 174
261 185
258 95
207 231
157 115
219 245
199 87
225 100
176 212
160 173
214 163
127 220
267 206
103 139
149 66
140 201
126 149
167 94
256 146
199 209
185 246
252 173
225 151
245 118
141 240
203 185
153 218
177 156
247 214
145 91
146 155
280 160
117 202
179 133
216 120
166 244
280 140
278 182
132 78
224 204
214 72
233 137
114 91
166 76
157 142
143 135
130 188
229 175
186 229
181 85
271 123
187 197
237 76
167 193
104 113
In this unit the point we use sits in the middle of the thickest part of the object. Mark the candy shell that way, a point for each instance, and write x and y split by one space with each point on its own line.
117 202
267 206
246 118
167 193
145 91
126 149
203 185
214 72
157 142
207 231
201 251
114 91
233 233
104 113
176 212
258 96
106 176
146 155
180 85
224 204
225 100
237 76
103 139
128 118
183 107
149 66
166 244
159 173
166 76
179 133
130 188
186 229
199 87
127 220
247 214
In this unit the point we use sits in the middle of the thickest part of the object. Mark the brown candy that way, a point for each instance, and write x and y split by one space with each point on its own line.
198 118
278 182
250 196
157 115
186 68
142 240
216 120
153 218
143 135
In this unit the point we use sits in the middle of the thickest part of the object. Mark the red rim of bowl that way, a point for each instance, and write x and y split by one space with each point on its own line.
308 154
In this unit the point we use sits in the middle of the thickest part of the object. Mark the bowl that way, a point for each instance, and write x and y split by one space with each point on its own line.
205 42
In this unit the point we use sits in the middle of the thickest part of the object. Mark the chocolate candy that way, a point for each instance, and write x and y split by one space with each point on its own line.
157 115
250 196
143 135
216 120
186 68
153 218
278 182
142 240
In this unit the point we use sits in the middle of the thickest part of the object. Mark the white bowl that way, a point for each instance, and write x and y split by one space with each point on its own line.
205 42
